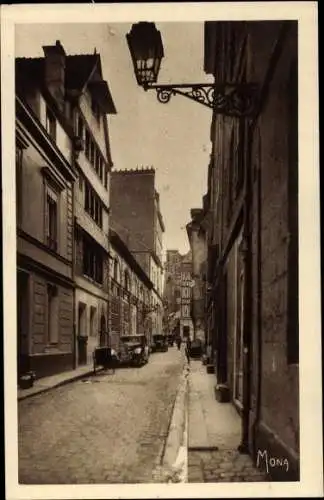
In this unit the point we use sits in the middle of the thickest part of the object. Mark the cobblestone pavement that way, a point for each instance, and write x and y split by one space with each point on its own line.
222 466
214 434
107 429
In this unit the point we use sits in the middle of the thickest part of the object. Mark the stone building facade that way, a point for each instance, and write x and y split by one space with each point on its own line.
130 294
197 236
172 277
252 208
137 218
177 293
92 103
63 165
186 324
44 207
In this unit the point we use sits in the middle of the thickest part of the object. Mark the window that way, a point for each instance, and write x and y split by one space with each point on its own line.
126 281
81 182
19 159
52 314
94 155
87 144
95 109
100 168
92 260
92 152
51 124
80 127
185 311
97 161
115 272
51 216
93 205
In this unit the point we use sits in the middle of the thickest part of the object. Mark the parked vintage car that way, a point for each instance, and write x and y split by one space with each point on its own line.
159 343
133 350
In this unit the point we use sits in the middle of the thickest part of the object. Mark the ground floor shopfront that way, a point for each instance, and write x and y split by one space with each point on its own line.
44 320
92 319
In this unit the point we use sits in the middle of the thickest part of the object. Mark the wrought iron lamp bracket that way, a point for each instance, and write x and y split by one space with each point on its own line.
231 99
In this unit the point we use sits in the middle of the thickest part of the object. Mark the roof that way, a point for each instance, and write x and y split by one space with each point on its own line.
132 171
79 72
116 241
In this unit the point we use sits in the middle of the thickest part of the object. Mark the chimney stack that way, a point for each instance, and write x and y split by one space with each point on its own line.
55 72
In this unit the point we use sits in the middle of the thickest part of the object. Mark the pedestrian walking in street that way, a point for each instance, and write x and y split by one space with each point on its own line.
187 350
179 343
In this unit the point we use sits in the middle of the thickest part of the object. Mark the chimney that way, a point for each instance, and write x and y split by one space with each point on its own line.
55 72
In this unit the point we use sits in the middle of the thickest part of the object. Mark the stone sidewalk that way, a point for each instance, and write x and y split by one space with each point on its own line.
47 383
214 431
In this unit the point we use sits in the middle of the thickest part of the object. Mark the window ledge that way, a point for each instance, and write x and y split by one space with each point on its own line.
93 281
54 178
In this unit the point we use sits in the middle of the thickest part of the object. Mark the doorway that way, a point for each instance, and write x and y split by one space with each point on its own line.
222 332
103 341
82 334
186 332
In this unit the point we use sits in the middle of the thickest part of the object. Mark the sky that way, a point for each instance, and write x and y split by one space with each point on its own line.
174 138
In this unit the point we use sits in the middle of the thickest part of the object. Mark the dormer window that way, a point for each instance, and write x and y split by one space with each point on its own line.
95 109
51 124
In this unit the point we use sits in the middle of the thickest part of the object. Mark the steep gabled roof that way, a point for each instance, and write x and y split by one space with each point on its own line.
80 70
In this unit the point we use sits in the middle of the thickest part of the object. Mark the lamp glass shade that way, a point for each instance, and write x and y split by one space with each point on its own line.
146 48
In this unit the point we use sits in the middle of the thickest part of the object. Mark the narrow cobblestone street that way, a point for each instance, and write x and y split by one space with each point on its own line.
105 429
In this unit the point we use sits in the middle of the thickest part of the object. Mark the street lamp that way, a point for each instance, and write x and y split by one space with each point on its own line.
146 49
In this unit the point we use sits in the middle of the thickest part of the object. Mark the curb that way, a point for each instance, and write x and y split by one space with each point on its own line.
42 390
177 428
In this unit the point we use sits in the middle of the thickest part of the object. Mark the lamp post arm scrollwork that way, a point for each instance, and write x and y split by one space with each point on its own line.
231 99
146 48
